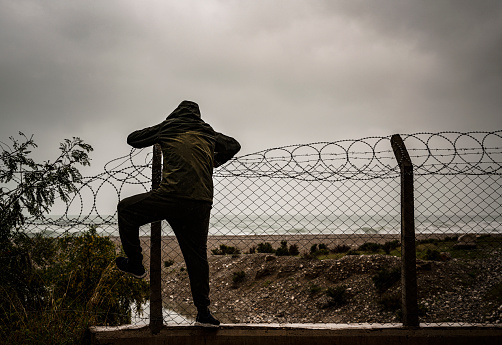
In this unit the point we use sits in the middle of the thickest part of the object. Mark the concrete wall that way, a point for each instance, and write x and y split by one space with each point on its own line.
298 334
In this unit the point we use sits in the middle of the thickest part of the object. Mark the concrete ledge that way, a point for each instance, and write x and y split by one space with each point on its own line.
290 334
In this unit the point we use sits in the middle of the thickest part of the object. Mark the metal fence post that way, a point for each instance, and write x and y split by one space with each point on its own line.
408 251
156 319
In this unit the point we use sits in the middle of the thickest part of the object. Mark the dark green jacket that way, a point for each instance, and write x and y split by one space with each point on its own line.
190 150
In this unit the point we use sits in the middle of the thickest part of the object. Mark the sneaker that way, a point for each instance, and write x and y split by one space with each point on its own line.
136 270
206 320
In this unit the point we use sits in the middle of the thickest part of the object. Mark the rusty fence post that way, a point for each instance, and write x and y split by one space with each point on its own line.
408 251
156 319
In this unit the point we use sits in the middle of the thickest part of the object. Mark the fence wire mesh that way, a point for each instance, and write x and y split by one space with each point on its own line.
310 233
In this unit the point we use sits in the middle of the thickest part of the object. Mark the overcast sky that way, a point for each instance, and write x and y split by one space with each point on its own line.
267 72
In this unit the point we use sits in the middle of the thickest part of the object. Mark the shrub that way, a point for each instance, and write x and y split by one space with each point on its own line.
384 279
283 249
265 248
319 249
343 248
433 255
308 256
370 247
428 241
293 250
337 296
322 252
77 286
390 245
313 249
88 276
323 247
314 288
238 277
168 263
224 250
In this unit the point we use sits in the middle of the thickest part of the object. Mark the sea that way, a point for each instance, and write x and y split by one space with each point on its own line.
276 224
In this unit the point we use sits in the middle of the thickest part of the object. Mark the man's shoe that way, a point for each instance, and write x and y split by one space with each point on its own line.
206 320
136 270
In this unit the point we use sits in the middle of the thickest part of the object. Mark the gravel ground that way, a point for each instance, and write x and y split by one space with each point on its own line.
285 289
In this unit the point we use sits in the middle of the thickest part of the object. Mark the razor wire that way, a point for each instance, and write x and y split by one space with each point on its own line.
338 192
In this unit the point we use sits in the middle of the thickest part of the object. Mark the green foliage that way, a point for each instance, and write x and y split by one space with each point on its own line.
370 247
265 248
69 284
390 245
337 296
341 248
485 246
313 249
168 263
322 252
293 250
283 249
33 310
32 187
267 283
87 275
433 255
318 250
428 241
238 277
385 278
309 256
224 250
314 289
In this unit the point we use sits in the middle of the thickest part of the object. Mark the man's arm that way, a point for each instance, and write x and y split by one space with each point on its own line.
226 147
144 137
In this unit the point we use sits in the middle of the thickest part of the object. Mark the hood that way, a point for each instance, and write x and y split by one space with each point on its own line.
186 108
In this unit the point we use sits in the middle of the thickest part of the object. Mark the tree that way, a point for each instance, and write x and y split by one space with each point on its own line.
54 287
32 186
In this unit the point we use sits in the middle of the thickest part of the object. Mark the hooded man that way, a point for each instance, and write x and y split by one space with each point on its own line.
190 150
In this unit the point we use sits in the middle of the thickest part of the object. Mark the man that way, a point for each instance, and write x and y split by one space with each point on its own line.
190 150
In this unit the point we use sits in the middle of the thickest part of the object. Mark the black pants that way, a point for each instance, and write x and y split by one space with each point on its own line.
189 220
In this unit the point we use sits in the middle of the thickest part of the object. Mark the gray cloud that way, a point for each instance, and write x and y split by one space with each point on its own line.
270 73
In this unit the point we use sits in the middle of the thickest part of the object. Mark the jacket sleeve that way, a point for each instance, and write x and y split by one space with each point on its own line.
144 137
226 147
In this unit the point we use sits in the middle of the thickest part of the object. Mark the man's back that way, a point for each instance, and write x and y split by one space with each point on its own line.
188 145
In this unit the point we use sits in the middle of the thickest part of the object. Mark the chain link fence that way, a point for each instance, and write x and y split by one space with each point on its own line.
312 233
